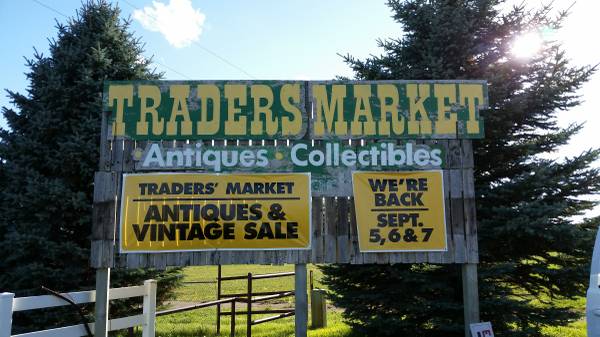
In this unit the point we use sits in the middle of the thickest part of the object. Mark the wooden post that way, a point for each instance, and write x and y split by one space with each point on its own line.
232 329
301 316
470 295
6 309
218 298
149 310
249 307
318 308
102 302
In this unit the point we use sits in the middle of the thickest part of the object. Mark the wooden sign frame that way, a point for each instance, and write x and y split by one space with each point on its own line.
334 231
334 237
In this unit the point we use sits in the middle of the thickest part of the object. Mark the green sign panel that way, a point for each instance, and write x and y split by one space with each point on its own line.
329 163
196 110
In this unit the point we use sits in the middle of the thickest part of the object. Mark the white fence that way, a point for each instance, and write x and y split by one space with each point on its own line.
10 304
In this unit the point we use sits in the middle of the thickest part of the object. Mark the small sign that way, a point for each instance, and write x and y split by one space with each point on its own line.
400 211
483 329
164 212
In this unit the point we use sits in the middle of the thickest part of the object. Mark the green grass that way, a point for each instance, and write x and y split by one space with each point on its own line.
202 322
574 329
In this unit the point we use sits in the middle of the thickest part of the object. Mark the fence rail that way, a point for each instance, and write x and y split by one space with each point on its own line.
9 304
206 305
250 297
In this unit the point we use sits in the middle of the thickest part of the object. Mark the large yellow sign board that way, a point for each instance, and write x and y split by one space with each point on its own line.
164 212
400 211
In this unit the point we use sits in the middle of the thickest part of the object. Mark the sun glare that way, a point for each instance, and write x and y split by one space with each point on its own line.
526 45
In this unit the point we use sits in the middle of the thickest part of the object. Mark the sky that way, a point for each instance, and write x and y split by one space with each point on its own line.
269 39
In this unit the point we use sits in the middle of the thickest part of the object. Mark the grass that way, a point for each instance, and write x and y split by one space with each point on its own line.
202 322
574 329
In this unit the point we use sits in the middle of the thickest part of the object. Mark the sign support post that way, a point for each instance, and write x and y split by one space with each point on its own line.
470 295
301 297
102 302
98 232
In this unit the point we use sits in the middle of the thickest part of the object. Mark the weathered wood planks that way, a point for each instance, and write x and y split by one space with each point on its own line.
334 234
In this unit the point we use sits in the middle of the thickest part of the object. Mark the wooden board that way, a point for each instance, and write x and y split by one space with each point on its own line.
334 234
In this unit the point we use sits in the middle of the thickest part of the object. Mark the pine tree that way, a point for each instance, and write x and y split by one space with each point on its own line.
50 152
531 249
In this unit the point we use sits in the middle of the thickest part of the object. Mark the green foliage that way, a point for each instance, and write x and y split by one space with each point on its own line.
530 246
50 152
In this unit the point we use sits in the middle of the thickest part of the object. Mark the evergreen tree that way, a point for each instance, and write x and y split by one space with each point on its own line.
531 249
50 151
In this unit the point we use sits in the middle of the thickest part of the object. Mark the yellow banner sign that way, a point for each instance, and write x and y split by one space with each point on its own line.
184 212
400 211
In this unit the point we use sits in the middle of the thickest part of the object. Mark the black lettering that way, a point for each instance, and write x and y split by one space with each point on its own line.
198 188
176 188
185 210
227 212
393 200
255 211
210 212
423 184
153 214
416 199
164 189
228 231
279 234
258 188
212 230
182 229
170 213
169 233
377 184
242 212
210 188
270 188
290 186
393 220
292 230
379 199
265 231
250 231
195 232
403 218
140 235
381 220
153 232
411 185
233 188
197 213
427 232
